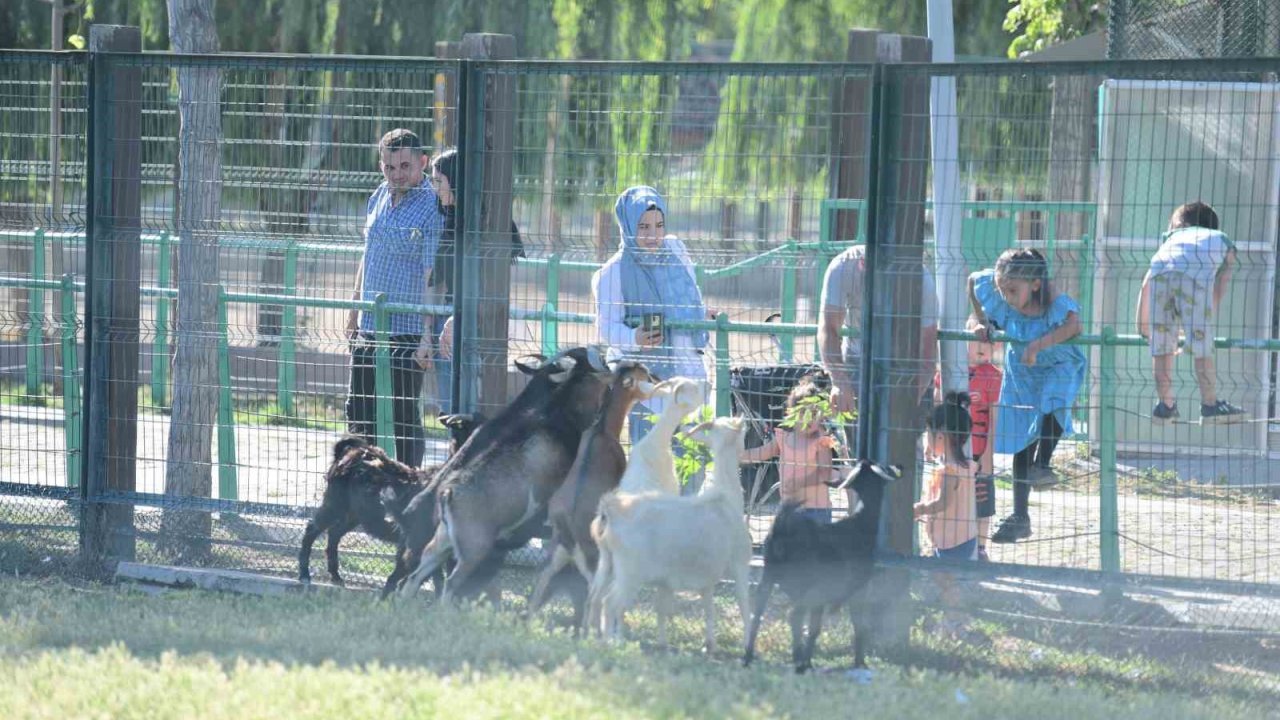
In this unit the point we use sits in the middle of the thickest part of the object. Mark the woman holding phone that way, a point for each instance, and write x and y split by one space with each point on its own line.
647 284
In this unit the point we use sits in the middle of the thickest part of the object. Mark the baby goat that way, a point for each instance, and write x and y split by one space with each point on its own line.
677 543
822 566
354 492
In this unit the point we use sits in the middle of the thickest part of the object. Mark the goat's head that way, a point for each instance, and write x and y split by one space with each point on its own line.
634 379
867 475
684 393
721 434
461 426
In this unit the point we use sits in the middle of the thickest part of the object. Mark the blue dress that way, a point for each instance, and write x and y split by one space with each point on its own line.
1028 393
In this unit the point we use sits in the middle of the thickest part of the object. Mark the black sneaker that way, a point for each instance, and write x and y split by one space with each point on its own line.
1040 478
1220 414
1012 529
1163 414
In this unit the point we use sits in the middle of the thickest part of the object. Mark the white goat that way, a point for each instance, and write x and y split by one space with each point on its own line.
650 468
678 543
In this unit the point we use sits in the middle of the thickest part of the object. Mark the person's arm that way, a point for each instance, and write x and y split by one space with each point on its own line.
766 451
1223 279
353 315
939 504
981 326
606 288
986 462
928 359
1143 313
1064 332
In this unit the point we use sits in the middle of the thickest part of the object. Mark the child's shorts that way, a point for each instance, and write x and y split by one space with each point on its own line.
967 550
821 515
1178 302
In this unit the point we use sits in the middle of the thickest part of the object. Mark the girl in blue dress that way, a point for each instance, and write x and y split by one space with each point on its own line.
1041 375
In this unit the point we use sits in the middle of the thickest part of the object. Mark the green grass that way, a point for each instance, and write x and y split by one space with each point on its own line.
100 651
14 393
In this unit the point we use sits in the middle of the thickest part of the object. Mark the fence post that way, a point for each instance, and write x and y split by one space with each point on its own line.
787 341
71 410
160 345
382 386
723 389
1108 505
227 485
550 327
112 294
286 372
35 315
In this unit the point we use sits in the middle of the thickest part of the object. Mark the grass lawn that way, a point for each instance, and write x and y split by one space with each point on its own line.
90 651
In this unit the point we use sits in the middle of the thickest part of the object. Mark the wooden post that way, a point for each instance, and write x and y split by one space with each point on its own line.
445 111
1075 104
602 231
851 127
114 244
496 140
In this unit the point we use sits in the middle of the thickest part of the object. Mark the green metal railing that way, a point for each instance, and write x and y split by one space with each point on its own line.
720 328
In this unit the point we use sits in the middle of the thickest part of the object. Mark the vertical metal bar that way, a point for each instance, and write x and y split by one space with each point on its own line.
227 481
382 385
1108 504
71 409
786 341
286 370
95 173
35 315
723 390
550 327
875 153
464 315
160 345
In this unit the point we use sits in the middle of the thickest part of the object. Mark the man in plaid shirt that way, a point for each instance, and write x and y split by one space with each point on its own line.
401 232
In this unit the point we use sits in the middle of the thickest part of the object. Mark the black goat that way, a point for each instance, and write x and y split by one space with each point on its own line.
362 485
822 566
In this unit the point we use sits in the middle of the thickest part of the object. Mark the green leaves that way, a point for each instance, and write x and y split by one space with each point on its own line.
1041 23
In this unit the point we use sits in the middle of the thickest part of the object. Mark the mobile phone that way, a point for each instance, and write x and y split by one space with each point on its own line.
652 322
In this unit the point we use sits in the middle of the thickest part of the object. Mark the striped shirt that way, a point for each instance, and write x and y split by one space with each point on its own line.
400 246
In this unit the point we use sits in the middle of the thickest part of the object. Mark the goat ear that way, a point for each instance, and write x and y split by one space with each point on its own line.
663 387
628 382
566 365
530 364
699 431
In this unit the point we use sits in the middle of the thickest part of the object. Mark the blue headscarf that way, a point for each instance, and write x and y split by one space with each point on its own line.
656 281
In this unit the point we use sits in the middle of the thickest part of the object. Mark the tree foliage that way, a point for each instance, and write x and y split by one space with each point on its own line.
1040 23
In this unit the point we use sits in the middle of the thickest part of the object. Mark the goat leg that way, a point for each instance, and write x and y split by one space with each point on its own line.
331 548
815 629
858 619
325 517
797 617
763 591
709 618
430 559
600 582
559 560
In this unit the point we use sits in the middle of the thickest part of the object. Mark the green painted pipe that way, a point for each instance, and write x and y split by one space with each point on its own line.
227 481
160 344
550 327
35 316
286 363
383 387
723 390
1108 503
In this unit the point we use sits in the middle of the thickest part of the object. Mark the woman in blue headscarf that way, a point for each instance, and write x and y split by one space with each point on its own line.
646 285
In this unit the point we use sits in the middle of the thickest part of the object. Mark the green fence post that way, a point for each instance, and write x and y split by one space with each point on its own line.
160 345
1108 505
35 315
788 341
723 391
382 386
286 371
227 485
71 417
550 328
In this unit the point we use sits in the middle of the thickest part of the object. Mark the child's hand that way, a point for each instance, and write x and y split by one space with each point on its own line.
983 331
1029 355
827 442
917 510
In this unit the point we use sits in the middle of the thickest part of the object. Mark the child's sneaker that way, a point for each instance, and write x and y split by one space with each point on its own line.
1220 414
1163 414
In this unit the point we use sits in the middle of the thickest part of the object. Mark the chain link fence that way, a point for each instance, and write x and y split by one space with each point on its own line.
1161 29
768 174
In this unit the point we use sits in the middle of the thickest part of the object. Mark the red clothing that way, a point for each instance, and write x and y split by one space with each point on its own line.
984 392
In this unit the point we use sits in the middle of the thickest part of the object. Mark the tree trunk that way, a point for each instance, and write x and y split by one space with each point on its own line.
1070 153
185 533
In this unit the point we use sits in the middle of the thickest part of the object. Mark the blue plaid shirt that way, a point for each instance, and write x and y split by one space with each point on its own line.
400 245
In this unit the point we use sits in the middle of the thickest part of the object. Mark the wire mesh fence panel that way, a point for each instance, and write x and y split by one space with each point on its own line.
42 164
722 283
1155 29
254 180
1111 450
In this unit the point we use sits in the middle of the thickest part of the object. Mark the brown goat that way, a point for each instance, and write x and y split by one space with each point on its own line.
595 471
